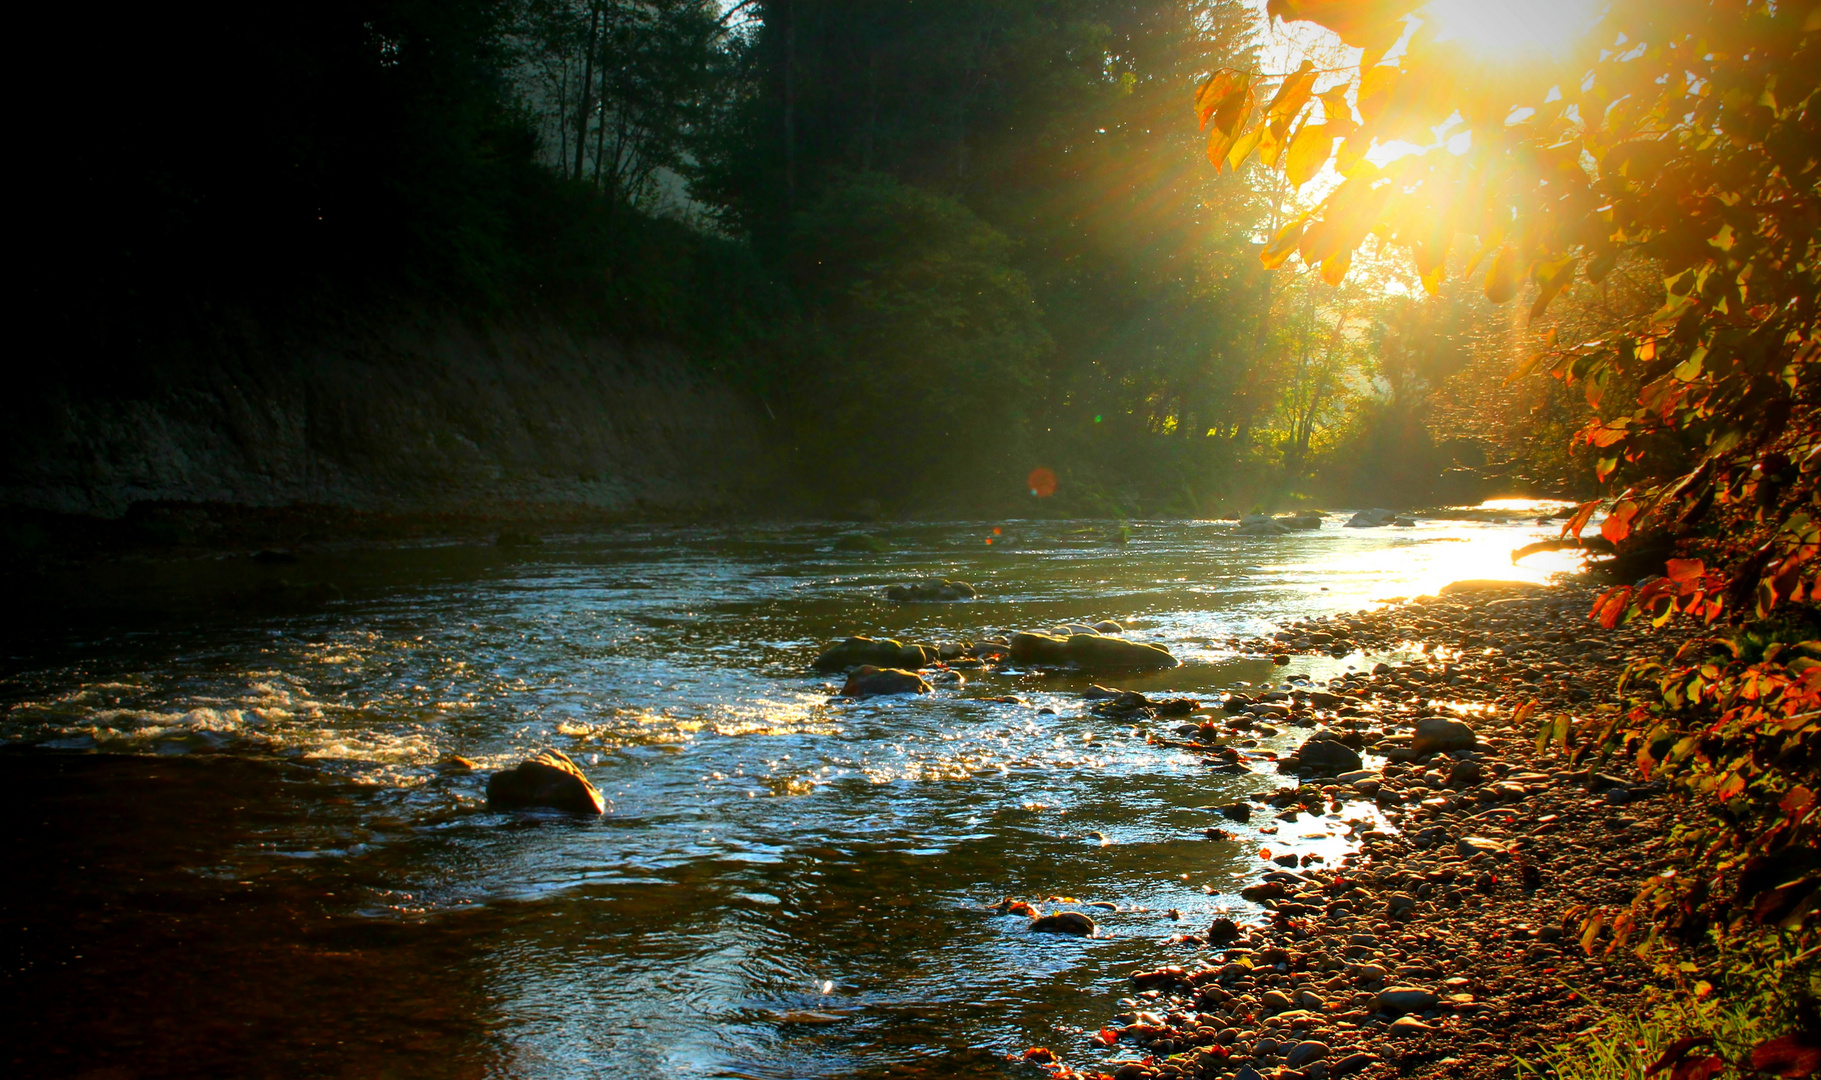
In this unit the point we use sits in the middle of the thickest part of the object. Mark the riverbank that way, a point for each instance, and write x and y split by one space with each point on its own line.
1448 943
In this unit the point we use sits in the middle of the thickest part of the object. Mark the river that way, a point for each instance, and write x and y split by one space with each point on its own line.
235 853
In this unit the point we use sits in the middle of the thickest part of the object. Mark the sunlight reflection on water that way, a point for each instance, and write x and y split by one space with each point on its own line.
769 852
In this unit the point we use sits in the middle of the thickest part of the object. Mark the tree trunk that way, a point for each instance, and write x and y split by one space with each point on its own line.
790 103
587 96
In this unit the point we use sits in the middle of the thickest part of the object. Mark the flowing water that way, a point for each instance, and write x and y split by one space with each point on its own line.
236 854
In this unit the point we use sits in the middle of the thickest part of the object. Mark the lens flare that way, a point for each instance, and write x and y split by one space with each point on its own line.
1042 482
1513 28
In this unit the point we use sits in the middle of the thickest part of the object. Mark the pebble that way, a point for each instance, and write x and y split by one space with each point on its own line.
1405 999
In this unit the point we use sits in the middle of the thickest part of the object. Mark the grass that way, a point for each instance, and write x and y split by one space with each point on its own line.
1758 993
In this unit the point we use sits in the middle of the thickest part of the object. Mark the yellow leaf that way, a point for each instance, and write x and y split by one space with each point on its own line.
1242 149
1376 86
1219 143
1502 279
1308 152
1334 267
1283 244
1219 86
1551 278
1590 931
1351 154
1293 94
1276 134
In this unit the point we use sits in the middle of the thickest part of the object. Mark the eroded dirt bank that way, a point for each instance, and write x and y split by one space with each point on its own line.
424 415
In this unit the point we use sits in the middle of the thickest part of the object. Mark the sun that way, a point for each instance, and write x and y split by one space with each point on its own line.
1513 29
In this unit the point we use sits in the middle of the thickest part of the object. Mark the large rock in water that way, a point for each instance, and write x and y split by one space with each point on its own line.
1371 519
884 652
547 780
1323 756
1435 734
930 591
872 682
1090 652
1064 922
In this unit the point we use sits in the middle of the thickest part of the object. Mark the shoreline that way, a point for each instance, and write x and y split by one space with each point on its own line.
1449 947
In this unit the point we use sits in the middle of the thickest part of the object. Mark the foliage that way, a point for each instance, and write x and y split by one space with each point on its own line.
1767 990
1679 140
1683 133
934 339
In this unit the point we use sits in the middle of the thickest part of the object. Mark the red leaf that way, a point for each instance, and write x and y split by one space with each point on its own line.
1676 1051
1686 570
1609 607
1617 525
1582 514
1791 1056
1697 1068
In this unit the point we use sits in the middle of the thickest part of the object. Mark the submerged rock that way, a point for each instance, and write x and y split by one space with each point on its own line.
870 681
884 652
861 542
1064 922
548 780
932 590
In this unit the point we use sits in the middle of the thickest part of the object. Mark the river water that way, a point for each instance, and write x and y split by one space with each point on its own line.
237 855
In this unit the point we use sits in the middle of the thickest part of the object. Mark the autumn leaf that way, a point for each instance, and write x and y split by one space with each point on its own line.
1792 1056
1283 245
1308 152
1686 570
1676 1051
1501 278
1219 86
1697 1068
1610 606
1617 525
1551 278
1578 521
1293 94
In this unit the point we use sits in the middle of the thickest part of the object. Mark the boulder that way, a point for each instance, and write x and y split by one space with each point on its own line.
884 652
1437 734
1260 525
1303 1053
1237 811
1306 519
1325 756
932 590
548 780
1092 652
1371 519
1223 931
1107 626
1064 922
870 681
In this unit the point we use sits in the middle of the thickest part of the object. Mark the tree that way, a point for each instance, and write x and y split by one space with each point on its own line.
1681 137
